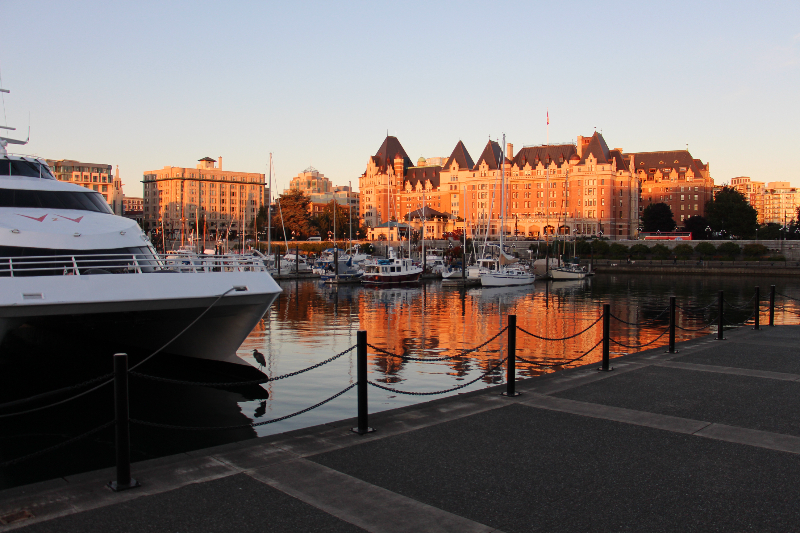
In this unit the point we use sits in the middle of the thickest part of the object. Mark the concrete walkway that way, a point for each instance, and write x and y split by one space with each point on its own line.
707 439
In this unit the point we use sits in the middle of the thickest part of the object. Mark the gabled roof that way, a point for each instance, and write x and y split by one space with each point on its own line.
492 154
386 154
208 159
427 213
598 148
416 174
560 153
460 156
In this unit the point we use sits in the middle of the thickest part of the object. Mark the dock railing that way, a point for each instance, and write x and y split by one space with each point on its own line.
511 329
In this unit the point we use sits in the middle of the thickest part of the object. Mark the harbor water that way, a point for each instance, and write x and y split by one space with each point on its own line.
311 322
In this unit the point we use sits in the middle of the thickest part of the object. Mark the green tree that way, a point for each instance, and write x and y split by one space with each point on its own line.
294 214
600 247
324 222
660 251
730 213
697 225
658 217
755 250
617 250
683 251
729 250
706 249
640 251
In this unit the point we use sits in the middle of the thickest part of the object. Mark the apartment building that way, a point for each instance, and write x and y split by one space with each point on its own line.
182 199
780 202
753 192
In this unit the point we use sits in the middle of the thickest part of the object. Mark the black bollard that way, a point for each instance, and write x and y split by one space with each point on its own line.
512 356
672 325
297 260
772 305
606 337
757 306
278 262
721 319
361 372
123 448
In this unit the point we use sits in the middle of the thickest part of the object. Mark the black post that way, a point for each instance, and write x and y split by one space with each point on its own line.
512 356
335 260
296 259
721 319
772 305
278 261
123 447
757 307
672 324
464 260
606 337
361 372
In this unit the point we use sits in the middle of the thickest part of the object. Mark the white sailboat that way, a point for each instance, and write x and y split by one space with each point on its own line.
509 273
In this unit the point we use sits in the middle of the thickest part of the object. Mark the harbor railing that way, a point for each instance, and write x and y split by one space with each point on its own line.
121 374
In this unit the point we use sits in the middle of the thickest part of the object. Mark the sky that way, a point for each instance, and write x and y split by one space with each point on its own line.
144 85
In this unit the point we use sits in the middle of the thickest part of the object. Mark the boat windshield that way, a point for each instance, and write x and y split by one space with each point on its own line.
28 169
82 201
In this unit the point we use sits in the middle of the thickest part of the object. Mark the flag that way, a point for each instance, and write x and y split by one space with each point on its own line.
548 117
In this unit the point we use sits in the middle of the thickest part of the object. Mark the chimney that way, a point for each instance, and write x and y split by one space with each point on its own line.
220 163
509 150
579 145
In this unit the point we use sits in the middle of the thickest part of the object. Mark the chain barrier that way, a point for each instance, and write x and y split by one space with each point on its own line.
739 324
244 383
789 297
561 363
636 346
57 446
411 393
693 309
593 324
435 359
241 426
743 307
648 322
53 392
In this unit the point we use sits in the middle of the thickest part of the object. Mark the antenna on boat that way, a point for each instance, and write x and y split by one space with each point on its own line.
5 141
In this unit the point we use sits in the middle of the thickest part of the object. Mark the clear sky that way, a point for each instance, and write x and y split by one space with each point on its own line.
145 84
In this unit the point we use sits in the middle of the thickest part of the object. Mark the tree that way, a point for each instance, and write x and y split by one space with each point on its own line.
617 250
729 249
324 222
730 213
660 251
683 251
293 210
755 250
706 249
697 225
640 250
658 217
600 247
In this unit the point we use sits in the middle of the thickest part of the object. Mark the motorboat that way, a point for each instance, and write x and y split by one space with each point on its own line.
296 263
389 271
74 274
347 272
570 271
482 266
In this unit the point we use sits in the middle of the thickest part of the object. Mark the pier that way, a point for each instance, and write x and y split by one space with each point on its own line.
703 436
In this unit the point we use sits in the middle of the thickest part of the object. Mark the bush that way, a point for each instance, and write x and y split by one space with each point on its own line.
600 247
583 248
617 250
660 251
683 251
639 251
755 250
776 258
706 249
729 249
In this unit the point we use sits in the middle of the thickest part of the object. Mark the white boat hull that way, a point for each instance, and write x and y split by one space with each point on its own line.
500 279
561 275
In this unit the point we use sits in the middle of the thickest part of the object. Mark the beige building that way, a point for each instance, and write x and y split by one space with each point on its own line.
180 198
584 188
753 192
94 176
310 181
780 203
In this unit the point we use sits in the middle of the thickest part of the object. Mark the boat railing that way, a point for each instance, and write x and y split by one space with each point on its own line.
89 264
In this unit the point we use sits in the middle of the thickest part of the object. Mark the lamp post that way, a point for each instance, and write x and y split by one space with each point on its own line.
708 233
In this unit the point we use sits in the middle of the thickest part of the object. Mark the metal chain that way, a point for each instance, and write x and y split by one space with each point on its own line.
738 324
691 309
645 323
435 359
593 324
243 383
498 365
57 446
639 345
698 329
742 307
560 363
241 426
789 297
57 391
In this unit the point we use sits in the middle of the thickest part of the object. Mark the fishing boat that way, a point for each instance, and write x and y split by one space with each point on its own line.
391 271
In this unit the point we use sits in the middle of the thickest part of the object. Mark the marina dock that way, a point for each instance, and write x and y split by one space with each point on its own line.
705 439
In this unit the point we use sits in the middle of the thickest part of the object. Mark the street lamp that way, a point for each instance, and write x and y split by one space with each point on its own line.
708 232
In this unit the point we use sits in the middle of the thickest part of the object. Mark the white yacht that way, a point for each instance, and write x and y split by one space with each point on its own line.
73 273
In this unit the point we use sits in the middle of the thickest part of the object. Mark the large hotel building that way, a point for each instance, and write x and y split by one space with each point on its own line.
582 189
177 198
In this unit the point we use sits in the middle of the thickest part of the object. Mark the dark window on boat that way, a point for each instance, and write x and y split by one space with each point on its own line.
30 169
82 201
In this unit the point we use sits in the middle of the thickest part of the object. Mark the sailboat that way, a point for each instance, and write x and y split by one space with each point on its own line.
509 273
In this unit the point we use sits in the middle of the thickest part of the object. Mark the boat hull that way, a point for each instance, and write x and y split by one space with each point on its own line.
506 280
564 275
389 279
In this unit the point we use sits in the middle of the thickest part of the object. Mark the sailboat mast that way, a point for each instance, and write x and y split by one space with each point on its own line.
502 192
269 209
